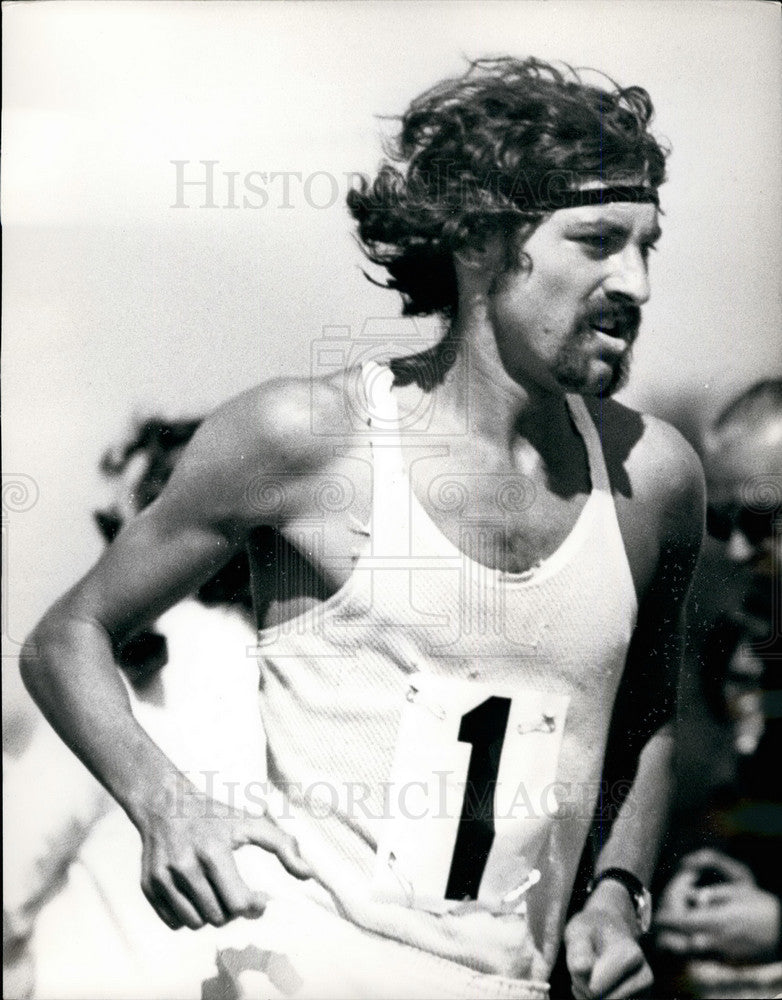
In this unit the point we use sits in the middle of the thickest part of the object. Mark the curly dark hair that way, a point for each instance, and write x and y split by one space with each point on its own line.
482 153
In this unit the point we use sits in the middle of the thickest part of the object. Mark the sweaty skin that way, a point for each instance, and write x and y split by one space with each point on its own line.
257 464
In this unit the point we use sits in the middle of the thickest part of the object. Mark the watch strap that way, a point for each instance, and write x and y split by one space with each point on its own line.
639 894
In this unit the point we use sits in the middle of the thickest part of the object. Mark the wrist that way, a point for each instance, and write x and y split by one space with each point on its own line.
160 794
619 892
612 897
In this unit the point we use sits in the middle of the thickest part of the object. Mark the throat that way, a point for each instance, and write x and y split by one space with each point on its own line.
506 490
510 516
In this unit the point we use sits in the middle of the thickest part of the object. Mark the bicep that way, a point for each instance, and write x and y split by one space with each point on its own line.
647 696
253 448
654 660
192 529
160 557
655 656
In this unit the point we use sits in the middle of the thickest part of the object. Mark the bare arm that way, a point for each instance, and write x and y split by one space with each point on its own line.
200 520
602 951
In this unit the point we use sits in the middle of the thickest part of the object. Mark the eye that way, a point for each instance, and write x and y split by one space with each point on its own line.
597 245
719 524
648 248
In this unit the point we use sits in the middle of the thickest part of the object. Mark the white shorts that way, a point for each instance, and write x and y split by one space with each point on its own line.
297 949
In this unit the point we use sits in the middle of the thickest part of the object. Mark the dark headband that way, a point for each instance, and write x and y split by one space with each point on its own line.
561 196
583 197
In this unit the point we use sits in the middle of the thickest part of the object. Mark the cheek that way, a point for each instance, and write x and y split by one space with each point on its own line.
555 290
541 306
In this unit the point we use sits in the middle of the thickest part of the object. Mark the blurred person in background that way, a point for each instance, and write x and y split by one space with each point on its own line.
719 923
74 920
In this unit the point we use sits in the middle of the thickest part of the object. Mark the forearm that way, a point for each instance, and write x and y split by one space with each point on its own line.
603 953
637 833
68 667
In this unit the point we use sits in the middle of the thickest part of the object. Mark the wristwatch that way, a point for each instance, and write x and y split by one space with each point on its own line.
640 895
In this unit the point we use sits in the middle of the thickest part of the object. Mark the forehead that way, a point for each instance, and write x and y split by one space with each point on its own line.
735 456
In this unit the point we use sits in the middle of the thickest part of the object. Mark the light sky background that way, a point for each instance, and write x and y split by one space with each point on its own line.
117 305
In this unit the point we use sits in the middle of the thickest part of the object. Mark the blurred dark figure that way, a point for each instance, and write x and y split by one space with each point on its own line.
719 921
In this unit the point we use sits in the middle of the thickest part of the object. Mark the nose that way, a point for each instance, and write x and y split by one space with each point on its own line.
629 276
739 548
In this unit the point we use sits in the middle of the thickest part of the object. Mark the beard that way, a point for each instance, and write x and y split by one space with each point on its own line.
574 359
572 372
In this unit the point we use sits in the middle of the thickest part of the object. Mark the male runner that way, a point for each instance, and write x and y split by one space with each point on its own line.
471 547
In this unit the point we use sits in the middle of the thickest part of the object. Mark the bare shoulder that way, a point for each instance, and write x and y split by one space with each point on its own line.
257 445
660 469
280 422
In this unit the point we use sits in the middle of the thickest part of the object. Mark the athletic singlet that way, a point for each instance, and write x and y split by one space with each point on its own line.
431 690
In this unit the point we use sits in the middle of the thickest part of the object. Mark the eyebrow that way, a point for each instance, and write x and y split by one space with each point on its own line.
608 227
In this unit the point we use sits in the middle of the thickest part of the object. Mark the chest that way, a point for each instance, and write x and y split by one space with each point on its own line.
497 515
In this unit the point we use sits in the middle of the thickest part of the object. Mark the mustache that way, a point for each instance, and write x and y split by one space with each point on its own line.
620 319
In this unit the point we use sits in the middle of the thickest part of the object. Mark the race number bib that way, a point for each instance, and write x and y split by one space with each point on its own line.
469 804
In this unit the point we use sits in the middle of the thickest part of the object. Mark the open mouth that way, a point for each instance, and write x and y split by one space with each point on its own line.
617 333
622 332
615 322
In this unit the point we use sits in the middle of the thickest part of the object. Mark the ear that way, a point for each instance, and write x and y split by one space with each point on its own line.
484 252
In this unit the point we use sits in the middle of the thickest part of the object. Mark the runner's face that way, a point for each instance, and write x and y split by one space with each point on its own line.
742 464
570 316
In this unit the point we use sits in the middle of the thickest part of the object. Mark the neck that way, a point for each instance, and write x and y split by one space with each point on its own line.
500 408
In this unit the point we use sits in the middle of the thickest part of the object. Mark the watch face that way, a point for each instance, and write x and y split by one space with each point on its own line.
643 906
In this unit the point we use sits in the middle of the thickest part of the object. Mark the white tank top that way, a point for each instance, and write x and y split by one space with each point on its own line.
428 661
